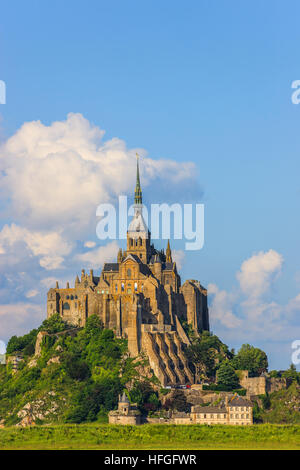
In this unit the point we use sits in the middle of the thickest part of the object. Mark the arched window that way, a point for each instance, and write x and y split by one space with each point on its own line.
116 287
122 286
135 286
66 306
128 272
72 297
67 297
140 241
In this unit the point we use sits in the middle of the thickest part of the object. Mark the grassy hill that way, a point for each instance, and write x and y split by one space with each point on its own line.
74 378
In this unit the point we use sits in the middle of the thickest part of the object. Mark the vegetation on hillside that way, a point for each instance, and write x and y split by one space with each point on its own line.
76 378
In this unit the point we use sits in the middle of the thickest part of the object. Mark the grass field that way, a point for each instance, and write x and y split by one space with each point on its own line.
151 437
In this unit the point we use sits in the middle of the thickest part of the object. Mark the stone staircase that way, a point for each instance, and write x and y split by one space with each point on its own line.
166 357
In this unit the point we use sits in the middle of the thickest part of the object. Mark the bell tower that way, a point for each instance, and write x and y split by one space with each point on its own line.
138 235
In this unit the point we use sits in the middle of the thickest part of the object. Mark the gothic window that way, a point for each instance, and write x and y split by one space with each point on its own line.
72 297
77 297
131 242
66 306
122 286
140 242
116 287
128 272
135 286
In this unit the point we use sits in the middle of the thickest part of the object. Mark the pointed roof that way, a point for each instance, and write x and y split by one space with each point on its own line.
124 398
168 253
138 189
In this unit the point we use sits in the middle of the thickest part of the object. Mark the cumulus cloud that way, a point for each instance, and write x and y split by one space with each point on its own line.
258 272
95 258
20 317
18 242
52 178
246 310
55 176
178 256
89 244
222 305
31 293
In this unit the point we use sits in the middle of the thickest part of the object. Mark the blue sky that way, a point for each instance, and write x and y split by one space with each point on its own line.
207 82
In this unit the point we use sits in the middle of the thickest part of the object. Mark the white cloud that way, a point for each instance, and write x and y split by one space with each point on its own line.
31 293
258 272
221 307
56 175
18 318
178 256
95 258
17 242
89 244
245 312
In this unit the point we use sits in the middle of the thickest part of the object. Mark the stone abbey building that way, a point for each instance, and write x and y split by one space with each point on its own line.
140 297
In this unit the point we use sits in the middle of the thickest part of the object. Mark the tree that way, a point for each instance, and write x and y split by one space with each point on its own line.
205 353
291 373
227 377
252 359
24 343
54 324
177 402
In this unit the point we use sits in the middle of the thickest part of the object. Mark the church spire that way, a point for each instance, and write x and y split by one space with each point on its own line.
138 190
168 253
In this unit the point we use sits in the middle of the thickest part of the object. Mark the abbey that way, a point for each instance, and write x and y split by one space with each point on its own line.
140 297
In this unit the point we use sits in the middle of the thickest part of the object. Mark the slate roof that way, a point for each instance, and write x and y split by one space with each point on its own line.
210 409
111 267
124 398
239 401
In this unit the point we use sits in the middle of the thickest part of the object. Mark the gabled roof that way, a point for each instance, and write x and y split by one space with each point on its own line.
133 258
239 401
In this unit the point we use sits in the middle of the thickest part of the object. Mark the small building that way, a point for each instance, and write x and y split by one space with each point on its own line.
127 413
234 410
182 418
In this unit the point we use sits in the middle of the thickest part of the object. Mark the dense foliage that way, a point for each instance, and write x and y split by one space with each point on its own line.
205 354
252 359
78 376
227 377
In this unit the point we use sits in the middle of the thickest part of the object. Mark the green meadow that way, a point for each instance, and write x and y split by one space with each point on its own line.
151 437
